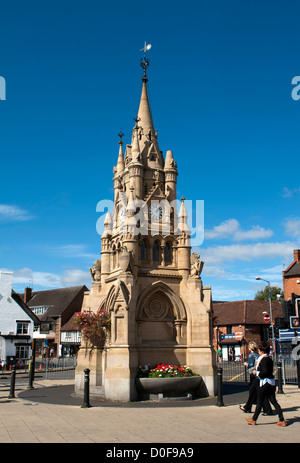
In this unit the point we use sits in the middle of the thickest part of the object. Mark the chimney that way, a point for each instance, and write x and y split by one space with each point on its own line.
6 283
297 255
27 294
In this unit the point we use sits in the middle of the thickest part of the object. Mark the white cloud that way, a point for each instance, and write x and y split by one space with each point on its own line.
212 270
292 227
289 192
27 277
225 229
11 213
223 294
75 278
247 252
255 233
231 229
71 250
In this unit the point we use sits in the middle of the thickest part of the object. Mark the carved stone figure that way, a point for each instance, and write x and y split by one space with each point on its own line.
124 259
197 265
96 270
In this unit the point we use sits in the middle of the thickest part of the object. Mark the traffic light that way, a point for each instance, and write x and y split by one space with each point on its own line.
270 334
280 324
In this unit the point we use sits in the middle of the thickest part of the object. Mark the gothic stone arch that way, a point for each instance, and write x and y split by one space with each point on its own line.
161 326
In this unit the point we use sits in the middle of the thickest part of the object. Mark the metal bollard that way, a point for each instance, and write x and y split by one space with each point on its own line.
12 382
31 367
279 365
220 402
86 399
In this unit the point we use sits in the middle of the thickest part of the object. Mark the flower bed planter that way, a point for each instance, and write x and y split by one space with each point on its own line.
169 386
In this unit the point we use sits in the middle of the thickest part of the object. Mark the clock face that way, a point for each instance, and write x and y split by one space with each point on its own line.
156 212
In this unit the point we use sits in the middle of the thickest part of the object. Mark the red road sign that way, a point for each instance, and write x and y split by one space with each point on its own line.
267 318
239 336
294 322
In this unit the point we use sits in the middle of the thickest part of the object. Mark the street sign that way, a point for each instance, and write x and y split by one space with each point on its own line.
294 322
267 318
239 336
287 335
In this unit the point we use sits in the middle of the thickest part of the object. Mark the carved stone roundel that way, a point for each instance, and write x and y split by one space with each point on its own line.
156 309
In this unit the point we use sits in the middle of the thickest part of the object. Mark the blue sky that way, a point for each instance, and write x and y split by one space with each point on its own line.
220 93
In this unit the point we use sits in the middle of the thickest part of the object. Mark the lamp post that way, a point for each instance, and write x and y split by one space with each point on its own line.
271 319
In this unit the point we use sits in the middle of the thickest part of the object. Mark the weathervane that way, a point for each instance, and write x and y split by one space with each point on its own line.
121 135
145 61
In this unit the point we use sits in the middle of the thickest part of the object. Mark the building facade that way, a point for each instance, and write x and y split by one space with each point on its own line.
291 277
239 322
147 278
17 325
70 337
54 308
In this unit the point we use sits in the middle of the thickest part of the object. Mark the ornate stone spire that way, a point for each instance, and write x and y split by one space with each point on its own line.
145 117
120 163
182 218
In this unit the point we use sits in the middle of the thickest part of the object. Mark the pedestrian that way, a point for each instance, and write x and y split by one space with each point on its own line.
267 388
233 354
254 382
219 355
51 352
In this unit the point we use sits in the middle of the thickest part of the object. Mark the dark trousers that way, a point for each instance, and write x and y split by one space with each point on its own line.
252 399
263 392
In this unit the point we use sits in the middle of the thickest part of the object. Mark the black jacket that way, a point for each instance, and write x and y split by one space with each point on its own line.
265 368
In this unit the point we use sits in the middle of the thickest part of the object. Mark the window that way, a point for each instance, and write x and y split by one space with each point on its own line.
143 251
22 328
168 253
155 252
22 352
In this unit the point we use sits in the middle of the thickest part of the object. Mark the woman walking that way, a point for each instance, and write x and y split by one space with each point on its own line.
254 382
267 388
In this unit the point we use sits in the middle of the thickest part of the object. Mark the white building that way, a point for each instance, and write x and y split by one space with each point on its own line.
17 323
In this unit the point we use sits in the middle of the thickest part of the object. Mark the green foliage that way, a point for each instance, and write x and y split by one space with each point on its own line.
263 294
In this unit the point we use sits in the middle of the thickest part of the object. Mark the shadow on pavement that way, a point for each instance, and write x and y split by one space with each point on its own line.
233 393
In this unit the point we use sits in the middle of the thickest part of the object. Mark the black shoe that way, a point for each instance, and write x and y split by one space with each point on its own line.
244 410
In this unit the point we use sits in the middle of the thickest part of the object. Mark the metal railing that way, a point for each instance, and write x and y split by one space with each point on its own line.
237 372
289 370
59 368
233 371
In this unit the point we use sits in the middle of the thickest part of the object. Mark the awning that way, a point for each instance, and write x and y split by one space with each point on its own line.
229 341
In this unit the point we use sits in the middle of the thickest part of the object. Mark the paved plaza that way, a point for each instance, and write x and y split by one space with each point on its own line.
50 413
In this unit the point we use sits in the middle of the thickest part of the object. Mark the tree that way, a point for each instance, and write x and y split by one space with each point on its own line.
263 294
